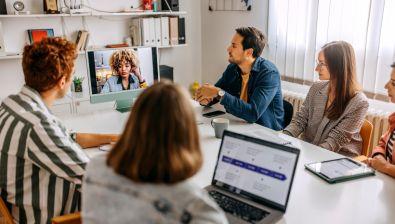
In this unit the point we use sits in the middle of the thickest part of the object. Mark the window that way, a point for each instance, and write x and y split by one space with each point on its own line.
299 28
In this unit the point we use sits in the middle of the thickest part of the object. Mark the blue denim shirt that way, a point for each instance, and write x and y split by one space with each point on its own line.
265 101
114 84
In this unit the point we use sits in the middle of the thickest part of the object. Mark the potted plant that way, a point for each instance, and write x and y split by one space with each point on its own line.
77 81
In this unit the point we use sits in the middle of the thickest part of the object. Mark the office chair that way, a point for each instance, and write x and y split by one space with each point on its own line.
288 112
366 134
6 217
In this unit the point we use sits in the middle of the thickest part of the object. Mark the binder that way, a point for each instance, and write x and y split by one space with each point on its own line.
165 31
173 30
135 32
146 32
181 31
152 31
158 32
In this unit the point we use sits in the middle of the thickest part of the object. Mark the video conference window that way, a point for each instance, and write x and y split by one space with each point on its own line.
121 69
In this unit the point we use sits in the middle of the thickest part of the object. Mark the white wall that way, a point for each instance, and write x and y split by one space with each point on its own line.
107 30
218 28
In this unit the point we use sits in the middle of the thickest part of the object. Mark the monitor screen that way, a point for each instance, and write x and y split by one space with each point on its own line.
258 170
114 72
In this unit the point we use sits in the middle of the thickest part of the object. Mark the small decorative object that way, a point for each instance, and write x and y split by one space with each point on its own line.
51 6
77 81
147 4
230 5
19 7
193 88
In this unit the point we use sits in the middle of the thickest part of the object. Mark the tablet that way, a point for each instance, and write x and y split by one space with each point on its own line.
339 170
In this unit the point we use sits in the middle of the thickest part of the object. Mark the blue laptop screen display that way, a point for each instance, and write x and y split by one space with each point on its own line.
255 168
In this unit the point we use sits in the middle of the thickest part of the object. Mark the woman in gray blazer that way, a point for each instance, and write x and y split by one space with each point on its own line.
334 110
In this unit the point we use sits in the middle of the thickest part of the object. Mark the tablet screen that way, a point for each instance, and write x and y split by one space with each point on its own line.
339 168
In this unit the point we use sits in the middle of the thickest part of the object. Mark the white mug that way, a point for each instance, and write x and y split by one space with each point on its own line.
219 125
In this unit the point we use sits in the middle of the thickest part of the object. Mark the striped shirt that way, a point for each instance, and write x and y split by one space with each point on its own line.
390 146
41 167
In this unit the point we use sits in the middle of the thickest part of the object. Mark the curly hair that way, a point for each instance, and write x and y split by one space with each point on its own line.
126 55
46 62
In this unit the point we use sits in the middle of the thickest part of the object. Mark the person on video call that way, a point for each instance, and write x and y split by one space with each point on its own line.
125 66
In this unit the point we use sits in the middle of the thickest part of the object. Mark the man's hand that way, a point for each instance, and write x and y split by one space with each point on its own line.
206 93
205 102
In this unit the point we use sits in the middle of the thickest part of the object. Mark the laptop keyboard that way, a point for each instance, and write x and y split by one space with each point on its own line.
238 208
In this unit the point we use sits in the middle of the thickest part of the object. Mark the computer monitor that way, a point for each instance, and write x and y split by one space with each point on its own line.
113 74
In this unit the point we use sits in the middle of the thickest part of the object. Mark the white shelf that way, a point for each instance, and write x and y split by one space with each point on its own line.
98 14
19 55
12 56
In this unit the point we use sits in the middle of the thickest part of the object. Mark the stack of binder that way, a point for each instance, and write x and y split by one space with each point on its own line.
162 31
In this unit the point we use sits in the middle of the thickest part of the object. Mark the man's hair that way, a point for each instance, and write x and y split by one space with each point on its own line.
160 142
46 62
252 38
127 55
393 65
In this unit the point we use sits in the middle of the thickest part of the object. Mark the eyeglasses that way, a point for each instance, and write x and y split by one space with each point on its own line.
320 64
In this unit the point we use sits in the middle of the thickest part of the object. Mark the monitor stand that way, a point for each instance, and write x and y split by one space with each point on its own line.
124 105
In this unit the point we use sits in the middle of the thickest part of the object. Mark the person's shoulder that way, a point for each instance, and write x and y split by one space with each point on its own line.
26 110
360 98
319 85
113 78
265 66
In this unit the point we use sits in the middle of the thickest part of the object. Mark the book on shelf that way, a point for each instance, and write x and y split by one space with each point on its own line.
135 32
173 26
36 35
82 40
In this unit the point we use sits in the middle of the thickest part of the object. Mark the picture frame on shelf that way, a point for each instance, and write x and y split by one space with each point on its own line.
36 35
51 7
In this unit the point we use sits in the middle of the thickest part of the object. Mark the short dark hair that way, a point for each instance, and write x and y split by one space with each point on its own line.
160 142
393 65
46 62
252 38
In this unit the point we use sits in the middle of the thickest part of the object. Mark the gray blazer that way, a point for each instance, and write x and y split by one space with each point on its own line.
341 135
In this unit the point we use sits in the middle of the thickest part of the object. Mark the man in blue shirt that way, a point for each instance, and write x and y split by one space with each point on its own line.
250 87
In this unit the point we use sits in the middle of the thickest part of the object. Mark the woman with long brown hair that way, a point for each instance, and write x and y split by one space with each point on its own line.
334 110
145 177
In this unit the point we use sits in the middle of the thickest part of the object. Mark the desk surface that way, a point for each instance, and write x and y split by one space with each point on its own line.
312 200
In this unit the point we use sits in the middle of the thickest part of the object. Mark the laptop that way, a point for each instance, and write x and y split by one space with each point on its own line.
253 178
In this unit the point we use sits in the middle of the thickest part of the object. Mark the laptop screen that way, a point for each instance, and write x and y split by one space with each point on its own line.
256 168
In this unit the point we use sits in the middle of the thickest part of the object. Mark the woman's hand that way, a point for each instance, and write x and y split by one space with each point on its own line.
378 163
136 72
